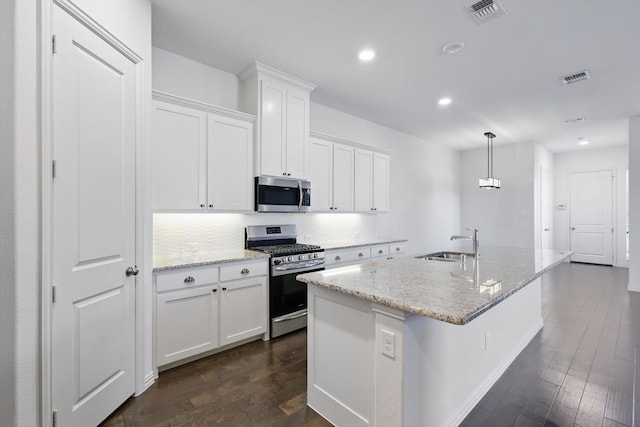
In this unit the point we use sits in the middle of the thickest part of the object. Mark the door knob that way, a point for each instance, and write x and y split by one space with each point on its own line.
573 229
132 271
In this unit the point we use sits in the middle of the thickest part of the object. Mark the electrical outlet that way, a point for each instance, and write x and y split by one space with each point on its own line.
389 344
487 340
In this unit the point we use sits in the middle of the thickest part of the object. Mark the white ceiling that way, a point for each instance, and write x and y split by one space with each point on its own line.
505 80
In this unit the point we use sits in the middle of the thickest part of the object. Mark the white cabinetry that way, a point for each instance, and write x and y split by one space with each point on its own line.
281 103
371 181
359 254
201 309
331 175
201 156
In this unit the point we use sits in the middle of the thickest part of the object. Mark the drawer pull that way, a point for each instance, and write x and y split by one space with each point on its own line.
189 279
337 258
397 249
224 289
360 254
245 271
380 251
215 290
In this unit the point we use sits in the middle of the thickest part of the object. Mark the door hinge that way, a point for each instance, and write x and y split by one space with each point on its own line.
53 169
54 418
54 48
53 293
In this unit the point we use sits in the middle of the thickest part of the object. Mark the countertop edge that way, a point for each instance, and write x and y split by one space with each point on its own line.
252 256
340 245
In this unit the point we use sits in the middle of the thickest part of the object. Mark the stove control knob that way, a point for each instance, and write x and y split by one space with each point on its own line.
300 257
315 255
276 261
289 259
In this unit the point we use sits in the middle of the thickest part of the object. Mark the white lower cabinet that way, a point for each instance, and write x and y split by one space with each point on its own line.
348 256
203 308
243 311
187 323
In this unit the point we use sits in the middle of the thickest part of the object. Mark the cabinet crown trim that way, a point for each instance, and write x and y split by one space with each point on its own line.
259 67
339 140
191 103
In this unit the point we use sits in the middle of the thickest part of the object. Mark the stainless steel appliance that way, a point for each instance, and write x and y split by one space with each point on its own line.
287 296
282 194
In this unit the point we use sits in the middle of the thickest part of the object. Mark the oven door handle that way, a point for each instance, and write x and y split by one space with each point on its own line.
296 315
300 195
288 267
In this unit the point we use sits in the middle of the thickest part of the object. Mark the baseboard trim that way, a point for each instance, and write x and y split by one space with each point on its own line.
483 388
149 379
633 287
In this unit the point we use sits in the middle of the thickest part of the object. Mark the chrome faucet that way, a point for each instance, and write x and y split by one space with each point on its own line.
474 238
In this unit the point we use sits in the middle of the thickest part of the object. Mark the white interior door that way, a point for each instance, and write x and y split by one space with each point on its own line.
546 209
93 235
591 217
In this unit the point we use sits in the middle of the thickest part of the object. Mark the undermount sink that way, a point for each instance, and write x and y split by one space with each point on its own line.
448 256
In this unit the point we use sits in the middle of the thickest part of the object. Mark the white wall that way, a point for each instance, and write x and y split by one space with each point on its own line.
424 190
543 160
505 216
7 215
614 159
203 83
634 203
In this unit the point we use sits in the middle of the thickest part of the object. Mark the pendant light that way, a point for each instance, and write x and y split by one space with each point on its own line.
489 182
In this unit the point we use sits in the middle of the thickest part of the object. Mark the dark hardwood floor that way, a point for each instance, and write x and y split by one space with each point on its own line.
578 371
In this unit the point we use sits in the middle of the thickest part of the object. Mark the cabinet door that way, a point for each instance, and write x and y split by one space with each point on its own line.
343 187
243 309
363 180
320 175
178 157
297 134
380 182
272 127
229 156
186 323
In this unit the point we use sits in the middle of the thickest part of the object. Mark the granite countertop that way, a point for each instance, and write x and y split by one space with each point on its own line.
354 243
193 259
437 289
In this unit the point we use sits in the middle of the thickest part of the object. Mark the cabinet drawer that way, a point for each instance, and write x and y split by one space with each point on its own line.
380 251
243 270
185 278
347 256
396 249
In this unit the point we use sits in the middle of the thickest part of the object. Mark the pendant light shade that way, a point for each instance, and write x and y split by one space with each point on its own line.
490 182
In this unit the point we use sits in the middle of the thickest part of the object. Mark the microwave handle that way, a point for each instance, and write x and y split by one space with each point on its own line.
300 197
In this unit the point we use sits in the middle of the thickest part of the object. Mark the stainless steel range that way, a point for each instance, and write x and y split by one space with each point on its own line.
287 296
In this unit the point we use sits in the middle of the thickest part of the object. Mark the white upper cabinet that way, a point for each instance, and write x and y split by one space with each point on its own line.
331 176
202 156
229 153
281 103
371 181
178 157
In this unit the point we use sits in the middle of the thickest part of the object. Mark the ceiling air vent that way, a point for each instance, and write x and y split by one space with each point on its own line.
572 121
485 10
576 77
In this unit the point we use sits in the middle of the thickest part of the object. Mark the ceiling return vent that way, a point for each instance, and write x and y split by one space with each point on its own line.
576 120
576 77
485 10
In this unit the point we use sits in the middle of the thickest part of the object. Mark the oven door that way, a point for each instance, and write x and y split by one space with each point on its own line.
288 302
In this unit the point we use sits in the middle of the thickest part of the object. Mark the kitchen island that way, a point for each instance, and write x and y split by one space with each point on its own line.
411 342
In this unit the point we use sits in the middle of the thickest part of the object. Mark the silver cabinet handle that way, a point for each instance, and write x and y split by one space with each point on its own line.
380 251
397 249
245 271
224 289
189 279
573 229
202 205
547 229
360 254
215 290
338 258
132 271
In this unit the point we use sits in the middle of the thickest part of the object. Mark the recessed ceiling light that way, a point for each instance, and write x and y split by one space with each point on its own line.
583 142
453 47
366 54
444 101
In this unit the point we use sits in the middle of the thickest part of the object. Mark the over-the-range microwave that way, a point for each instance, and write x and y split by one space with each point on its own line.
282 194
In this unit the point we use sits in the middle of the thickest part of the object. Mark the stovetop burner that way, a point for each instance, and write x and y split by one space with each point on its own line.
295 248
